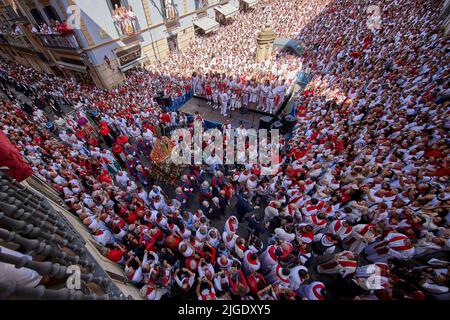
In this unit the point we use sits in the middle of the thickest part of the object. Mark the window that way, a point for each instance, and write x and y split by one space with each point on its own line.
123 16
37 16
115 4
201 4
11 12
72 61
172 43
170 9
51 14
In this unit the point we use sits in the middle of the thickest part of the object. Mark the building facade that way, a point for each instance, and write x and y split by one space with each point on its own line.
109 37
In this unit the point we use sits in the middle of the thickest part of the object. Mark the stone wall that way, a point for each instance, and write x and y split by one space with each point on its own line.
185 37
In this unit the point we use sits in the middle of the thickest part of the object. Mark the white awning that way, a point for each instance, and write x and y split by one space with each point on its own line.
251 3
207 24
227 10
71 66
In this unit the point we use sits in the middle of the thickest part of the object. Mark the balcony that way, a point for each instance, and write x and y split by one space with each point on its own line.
202 12
20 40
128 33
172 23
171 16
58 41
34 217
125 22
201 6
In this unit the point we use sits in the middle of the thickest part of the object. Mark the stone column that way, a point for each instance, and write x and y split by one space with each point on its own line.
265 42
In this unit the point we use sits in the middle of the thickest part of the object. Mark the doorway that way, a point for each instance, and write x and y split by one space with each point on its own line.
172 42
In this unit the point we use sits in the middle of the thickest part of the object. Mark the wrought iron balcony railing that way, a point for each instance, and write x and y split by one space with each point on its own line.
30 221
19 40
172 23
59 41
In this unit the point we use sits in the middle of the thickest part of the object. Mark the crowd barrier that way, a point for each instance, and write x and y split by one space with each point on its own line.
207 124
178 102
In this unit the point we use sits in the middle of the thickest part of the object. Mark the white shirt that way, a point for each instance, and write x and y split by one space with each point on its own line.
123 179
24 277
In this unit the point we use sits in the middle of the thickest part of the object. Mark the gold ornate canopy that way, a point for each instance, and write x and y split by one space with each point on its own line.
162 150
163 169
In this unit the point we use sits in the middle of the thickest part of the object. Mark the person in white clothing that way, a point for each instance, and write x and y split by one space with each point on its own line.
343 263
233 99
224 97
270 100
254 90
297 276
361 236
393 246
122 179
312 291
24 277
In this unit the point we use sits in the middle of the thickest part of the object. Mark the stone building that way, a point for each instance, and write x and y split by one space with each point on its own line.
110 37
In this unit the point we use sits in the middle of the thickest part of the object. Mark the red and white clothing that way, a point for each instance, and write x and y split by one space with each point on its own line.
375 276
296 198
103 236
276 277
394 246
208 294
306 237
189 251
337 228
134 276
250 265
268 258
270 212
317 223
295 281
343 263
359 238
239 250
294 212
224 263
243 177
304 255
229 239
312 291
252 184
152 293
311 209
231 225
327 244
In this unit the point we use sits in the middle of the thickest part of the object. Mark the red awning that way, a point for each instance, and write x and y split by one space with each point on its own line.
11 158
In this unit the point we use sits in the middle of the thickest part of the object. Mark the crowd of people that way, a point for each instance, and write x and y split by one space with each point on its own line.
13 30
358 208
223 64
54 28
